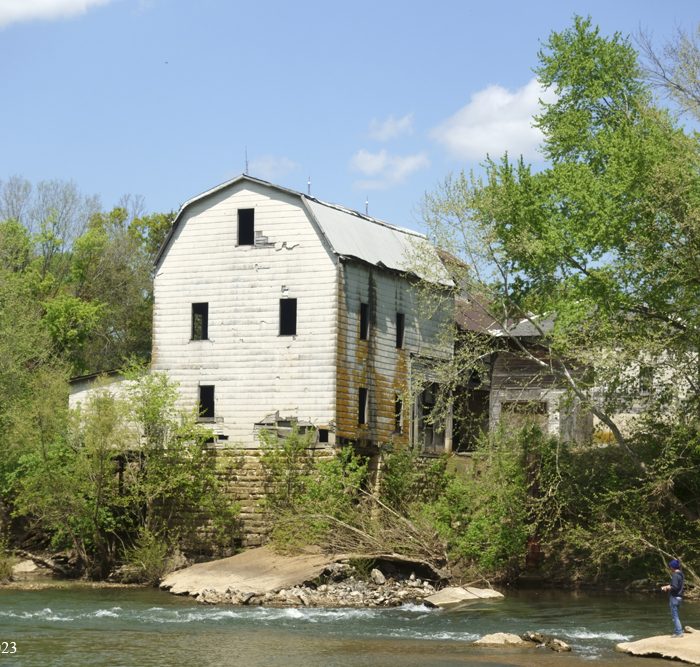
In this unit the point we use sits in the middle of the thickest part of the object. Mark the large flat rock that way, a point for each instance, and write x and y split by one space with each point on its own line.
257 571
685 648
502 639
455 596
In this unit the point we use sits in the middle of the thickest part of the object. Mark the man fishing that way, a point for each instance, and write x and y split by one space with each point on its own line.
675 594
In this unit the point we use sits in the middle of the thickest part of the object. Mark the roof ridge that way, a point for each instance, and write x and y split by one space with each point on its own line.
280 188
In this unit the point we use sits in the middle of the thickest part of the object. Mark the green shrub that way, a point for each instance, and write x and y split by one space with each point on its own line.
618 513
7 561
127 468
407 478
310 502
287 463
149 559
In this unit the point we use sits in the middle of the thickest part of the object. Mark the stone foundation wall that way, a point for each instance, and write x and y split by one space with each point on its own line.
243 476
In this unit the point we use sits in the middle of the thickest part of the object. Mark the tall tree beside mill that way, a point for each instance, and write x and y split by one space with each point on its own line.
606 239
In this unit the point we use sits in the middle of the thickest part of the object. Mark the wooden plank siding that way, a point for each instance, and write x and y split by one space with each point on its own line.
519 381
376 363
255 371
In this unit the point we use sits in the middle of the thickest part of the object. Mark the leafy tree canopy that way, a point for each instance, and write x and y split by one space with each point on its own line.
605 235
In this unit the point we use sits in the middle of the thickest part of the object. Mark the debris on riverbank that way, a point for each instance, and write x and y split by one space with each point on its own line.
350 591
262 577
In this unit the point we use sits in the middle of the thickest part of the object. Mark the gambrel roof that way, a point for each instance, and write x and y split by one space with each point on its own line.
349 234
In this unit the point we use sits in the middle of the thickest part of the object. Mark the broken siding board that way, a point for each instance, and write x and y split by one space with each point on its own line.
255 370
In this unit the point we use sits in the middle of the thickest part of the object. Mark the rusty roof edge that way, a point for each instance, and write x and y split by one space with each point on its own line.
92 376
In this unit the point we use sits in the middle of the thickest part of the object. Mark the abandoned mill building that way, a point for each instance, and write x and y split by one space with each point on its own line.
272 308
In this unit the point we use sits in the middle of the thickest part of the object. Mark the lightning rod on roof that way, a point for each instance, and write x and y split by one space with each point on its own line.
246 161
366 205
308 186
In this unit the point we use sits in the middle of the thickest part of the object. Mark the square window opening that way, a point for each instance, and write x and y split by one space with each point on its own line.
246 226
323 435
400 323
200 321
364 321
206 403
362 406
288 317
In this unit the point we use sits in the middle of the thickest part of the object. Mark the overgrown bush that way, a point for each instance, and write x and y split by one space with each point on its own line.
149 559
421 511
595 512
129 468
287 463
309 499
7 561
407 479
620 514
483 518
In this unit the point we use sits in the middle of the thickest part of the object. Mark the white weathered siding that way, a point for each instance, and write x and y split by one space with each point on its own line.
376 363
255 371
81 390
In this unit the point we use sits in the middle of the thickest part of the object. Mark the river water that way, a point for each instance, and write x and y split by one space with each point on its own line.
75 626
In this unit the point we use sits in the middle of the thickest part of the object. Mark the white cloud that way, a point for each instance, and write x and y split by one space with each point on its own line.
271 167
383 130
385 169
495 121
14 11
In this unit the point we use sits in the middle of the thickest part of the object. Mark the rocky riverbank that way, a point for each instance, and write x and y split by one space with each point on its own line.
335 587
263 577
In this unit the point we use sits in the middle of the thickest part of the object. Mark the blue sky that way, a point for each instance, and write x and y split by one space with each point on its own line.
371 99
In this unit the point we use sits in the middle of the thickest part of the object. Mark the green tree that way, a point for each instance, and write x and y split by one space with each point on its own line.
111 270
33 387
70 487
151 230
605 239
129 475
91 269
605 235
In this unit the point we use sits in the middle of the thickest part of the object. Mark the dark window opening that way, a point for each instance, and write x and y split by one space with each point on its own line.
646 380
398 415
323 435
518 414
362 406
206 402
200 321
288 317
364 321
429 396
524 407
400 321
246 226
